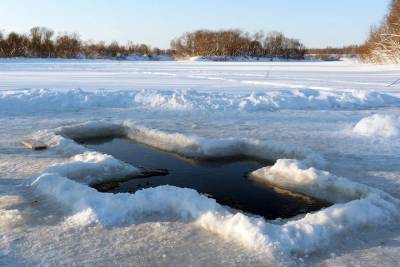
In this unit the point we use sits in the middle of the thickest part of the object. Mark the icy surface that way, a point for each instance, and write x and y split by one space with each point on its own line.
334 127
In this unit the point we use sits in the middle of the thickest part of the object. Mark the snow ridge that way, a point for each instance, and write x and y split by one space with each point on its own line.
22 101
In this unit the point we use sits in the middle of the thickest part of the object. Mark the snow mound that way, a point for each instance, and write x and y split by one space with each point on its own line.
384 126
166 100
86 168
82 218
29 100
295 175
357 206
10 218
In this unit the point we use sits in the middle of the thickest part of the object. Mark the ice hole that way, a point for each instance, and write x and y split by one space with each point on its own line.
224 179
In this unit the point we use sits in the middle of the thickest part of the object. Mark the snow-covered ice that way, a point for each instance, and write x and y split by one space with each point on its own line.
332 127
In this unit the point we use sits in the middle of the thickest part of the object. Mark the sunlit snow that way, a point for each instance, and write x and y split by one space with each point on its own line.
333 128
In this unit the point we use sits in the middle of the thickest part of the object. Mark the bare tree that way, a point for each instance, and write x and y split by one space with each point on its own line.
383 45
236 43
15 45
68 46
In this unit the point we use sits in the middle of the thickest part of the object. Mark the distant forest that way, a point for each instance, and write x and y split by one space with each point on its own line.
235 43
382 46
41 42
334 53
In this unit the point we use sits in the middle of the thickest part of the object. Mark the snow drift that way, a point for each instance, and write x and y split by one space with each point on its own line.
357 206
22 101
377 125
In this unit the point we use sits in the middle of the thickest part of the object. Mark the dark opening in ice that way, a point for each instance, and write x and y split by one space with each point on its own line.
225 180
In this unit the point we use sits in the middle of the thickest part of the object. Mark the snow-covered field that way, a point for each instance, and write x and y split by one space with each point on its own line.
334 128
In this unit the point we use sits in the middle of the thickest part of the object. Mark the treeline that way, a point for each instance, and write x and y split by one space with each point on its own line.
41 42
383 45
235 43
345 50
334 53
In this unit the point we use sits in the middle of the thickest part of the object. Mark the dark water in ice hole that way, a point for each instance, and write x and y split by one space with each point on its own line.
224 180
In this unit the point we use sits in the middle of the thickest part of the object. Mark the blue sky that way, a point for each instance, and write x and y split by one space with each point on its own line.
317 23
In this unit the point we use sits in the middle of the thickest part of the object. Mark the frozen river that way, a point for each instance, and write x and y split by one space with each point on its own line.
334 126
